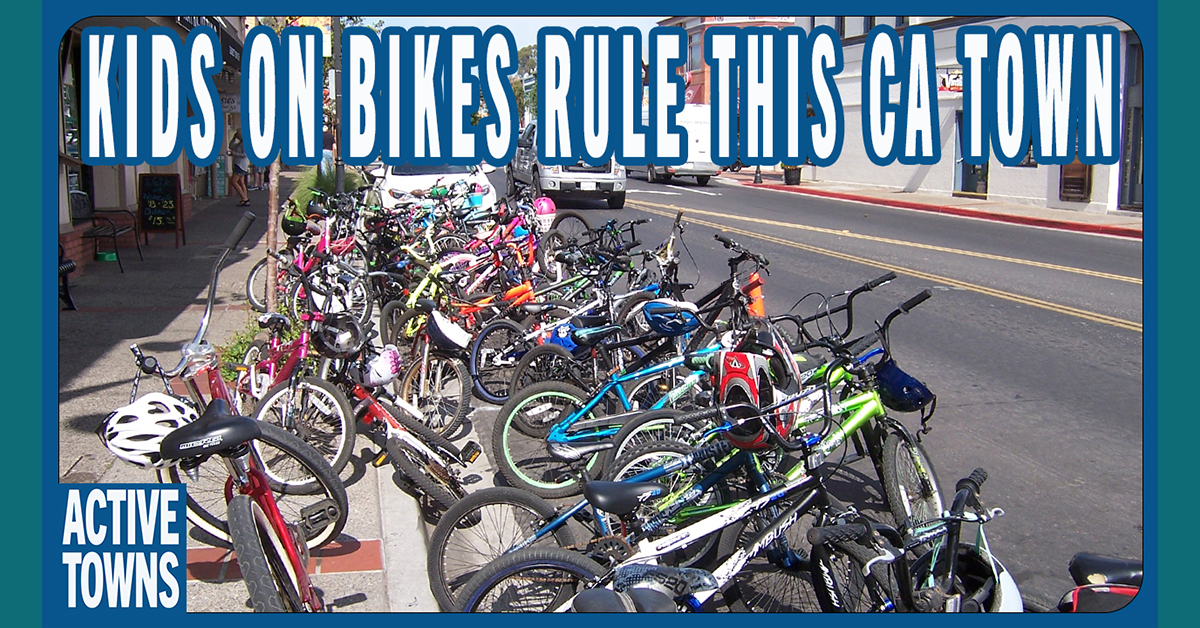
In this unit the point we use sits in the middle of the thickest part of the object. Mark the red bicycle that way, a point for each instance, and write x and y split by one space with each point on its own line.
281 497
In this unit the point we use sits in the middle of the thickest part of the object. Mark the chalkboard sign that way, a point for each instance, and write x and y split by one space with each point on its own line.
159 204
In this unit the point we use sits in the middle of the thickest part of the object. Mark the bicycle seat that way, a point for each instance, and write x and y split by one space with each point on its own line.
425 306
217 430
631 601
273 321
590 320
593 335
1094 569
536 308
621 498
570 452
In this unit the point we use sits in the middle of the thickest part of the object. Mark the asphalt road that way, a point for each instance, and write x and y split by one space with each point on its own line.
1032 342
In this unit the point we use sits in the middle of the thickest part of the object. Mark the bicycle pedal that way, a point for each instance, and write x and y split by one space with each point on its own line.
471 451
380 459
318 516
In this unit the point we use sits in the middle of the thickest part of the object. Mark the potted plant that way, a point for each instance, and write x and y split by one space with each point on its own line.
791 174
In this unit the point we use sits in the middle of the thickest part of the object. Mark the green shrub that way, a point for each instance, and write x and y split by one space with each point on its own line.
312 177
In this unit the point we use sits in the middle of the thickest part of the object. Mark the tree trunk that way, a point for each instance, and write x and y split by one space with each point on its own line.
272 234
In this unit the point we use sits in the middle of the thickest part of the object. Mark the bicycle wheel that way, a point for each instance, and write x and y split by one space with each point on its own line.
649 426
523 459
909 481
272 588
630 314
494 356
549 244
244 401
572 224
256 286
440 388
479 529
764 585
535 579
316 411
300 479
428 477
543 363
655 454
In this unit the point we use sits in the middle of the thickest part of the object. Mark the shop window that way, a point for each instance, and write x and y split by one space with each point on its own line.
1075 183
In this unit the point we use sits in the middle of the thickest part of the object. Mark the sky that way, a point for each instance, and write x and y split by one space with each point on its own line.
524 29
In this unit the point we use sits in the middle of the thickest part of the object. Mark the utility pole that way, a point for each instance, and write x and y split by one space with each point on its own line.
339 167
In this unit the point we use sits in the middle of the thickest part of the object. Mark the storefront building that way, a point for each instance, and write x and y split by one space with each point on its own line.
83 187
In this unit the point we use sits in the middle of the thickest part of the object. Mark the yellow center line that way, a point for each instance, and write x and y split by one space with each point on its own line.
915 245
1000 294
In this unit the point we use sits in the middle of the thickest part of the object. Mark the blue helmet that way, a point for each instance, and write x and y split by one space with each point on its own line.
671 318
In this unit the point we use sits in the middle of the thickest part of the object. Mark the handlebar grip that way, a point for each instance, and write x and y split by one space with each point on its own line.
875 283
699 362
697 416
239 231
729 244
862 344
915 301
838 534
974 481
633 245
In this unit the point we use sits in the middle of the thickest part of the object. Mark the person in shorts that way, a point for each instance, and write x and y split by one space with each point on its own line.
241 167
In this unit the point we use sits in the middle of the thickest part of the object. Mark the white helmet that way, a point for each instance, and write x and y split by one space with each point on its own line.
384 368
135 432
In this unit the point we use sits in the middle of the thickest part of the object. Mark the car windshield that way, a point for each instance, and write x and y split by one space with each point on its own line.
411 170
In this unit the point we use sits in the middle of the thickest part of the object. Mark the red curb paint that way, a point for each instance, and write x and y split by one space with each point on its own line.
1066 225
366 557
205 563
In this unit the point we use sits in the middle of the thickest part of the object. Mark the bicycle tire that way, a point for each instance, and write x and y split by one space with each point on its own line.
490 370
571 223
460 545
443 410
648 426
548 245
629 315
256 294
326 421
512 449
416 470
261 581
699 552
244 402
575 569
548 362
763 587
278 450
905 476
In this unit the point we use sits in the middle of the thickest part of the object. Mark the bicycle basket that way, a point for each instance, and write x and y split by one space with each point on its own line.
900 391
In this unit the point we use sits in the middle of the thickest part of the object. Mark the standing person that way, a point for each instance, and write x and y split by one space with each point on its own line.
241 167
327 158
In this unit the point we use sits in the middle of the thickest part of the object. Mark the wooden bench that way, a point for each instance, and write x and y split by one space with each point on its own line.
65 267
102 226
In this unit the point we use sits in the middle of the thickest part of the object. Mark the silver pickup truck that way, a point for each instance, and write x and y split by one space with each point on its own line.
578 180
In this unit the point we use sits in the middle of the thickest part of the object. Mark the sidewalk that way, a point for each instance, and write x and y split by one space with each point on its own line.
1126 224
376 565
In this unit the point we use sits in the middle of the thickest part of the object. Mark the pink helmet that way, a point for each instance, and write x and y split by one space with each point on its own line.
544 205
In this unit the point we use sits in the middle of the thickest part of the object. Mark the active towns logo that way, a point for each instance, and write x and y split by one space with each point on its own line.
123 547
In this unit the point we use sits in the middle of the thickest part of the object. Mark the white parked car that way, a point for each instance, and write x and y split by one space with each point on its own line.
408 177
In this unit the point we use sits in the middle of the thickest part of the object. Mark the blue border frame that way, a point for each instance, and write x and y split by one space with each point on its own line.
1143 17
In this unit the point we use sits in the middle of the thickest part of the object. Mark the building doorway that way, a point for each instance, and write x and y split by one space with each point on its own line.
969 179
1131 127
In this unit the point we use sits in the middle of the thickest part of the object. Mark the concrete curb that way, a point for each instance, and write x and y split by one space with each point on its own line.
1066 225
404 537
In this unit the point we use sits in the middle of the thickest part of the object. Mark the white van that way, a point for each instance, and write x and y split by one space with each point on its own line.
694 118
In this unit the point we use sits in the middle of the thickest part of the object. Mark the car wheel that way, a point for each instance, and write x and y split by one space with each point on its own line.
649 173
509 180
616 201
702 180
